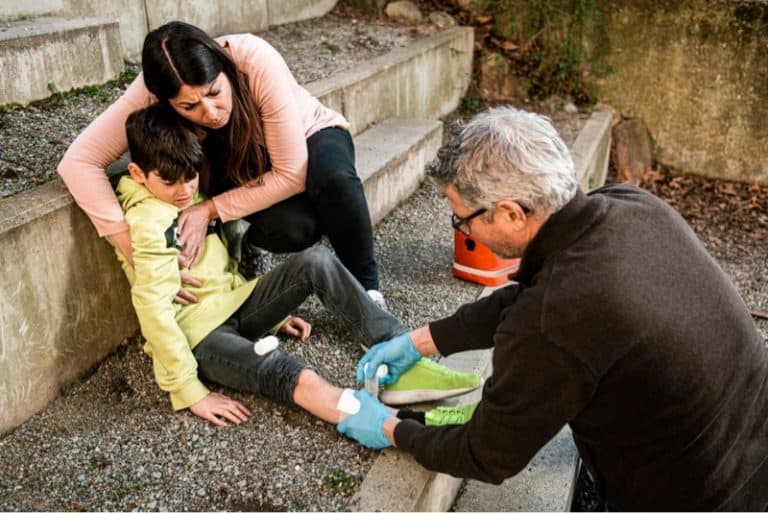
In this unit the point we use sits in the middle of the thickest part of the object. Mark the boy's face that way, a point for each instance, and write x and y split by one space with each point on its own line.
177 193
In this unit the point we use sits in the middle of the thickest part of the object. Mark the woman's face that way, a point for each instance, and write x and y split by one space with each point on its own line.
208 105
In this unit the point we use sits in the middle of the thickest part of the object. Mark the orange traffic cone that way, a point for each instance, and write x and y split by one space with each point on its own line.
475 262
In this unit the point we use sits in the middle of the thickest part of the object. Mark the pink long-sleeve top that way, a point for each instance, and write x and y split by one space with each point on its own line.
289 115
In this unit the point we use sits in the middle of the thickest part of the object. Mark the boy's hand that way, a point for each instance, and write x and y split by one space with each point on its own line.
218 409
183 296
193 226
296 327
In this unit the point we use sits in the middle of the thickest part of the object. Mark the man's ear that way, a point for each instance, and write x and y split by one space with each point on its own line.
511 212
136 173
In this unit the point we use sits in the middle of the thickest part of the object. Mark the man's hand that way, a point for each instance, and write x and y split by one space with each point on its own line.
366 426
399 354
218 409
296 327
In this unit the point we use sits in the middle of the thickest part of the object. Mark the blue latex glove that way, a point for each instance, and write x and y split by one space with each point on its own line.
366 426
399 354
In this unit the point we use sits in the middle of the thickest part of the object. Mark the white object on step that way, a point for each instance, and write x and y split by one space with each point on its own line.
265 345
372 384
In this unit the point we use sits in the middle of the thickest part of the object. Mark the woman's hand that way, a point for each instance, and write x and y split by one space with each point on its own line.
218 409
193 227
296 327
122 241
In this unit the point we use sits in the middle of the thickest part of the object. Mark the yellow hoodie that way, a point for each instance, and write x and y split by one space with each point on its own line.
172 330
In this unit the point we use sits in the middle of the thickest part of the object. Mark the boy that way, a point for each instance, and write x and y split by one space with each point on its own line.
212 338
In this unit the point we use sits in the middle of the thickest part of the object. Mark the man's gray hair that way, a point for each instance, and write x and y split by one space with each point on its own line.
506 153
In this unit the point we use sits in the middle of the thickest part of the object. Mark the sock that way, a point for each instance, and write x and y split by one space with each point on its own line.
405 413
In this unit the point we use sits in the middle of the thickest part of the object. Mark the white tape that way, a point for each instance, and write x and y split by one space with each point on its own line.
348 404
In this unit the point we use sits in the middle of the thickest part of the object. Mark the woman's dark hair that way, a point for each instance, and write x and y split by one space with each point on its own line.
178 53
161 140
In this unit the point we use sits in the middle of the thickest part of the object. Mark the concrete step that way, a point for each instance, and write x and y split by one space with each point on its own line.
44 55
391 158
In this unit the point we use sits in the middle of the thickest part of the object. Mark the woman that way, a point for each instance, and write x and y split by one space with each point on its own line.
279 158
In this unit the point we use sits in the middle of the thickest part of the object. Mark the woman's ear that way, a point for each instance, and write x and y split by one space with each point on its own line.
136 173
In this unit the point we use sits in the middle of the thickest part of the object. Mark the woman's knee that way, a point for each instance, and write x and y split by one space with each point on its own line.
317 258
289 236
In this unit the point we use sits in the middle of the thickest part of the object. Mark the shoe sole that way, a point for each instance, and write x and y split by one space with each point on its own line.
399 398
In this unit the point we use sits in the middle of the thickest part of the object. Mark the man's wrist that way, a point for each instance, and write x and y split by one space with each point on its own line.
389 428
422 341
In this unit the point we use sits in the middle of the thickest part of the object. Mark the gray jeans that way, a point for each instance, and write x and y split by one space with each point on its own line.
226 355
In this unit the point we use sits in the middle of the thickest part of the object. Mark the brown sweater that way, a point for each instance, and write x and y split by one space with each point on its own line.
626 328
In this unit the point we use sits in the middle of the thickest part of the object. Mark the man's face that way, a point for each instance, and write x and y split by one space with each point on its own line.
506 234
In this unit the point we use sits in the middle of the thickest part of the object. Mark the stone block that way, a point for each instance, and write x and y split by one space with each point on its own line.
632 150
44 55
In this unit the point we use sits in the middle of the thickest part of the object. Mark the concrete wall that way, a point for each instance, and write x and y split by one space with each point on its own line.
64 302
214 16
697 72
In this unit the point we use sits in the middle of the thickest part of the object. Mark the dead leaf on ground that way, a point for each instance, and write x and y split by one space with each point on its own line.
653 176
726 188
508 45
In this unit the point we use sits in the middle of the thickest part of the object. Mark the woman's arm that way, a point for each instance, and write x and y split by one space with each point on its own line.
97 146
279 100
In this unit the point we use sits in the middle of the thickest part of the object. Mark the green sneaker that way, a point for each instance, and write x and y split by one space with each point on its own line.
445 415
428 381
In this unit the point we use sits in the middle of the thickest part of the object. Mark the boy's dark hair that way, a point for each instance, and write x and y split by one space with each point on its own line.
160 140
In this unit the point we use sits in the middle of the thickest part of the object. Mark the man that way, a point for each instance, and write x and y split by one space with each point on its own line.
621 325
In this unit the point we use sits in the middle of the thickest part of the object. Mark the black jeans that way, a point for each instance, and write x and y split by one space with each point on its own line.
333 204
226 355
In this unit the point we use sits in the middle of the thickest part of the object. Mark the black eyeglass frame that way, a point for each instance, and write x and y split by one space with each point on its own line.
462 223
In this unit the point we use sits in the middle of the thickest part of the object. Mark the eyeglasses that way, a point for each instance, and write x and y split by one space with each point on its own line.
462 223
